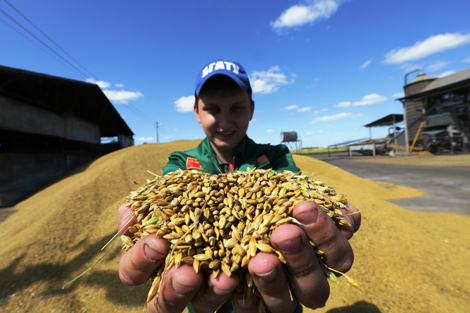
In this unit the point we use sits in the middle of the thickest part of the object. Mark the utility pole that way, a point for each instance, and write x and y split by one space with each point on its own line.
157 132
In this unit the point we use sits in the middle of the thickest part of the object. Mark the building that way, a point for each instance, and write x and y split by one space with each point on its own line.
437 112
50 125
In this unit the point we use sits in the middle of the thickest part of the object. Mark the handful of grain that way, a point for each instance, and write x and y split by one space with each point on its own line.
219 222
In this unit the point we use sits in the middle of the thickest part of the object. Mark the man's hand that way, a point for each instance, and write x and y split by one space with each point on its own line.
301 279
180 285
308 283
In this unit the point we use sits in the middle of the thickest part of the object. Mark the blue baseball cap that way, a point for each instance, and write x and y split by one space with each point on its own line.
234 70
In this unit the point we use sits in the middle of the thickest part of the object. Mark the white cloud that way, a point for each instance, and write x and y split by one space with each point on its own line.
398 95
366 100
122 96
116 96
422 49
466 60
336 117
119 85
145 139
270 131
320 111
366 64
343 104
270 81
370 99
102 84
446 74
304 109
301 14
290 107
436 66
185 104
409 67
296 107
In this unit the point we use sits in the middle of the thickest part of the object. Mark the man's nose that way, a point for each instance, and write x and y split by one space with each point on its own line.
225 119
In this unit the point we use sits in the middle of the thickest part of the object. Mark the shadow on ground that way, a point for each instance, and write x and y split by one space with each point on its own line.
19 278
358 307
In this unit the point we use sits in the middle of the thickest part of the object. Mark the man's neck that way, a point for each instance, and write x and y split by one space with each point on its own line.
225 155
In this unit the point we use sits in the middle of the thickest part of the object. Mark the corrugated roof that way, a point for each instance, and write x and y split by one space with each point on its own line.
448 80
386 120
456 80
64 95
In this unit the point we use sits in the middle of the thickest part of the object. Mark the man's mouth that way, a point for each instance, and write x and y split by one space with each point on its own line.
225 133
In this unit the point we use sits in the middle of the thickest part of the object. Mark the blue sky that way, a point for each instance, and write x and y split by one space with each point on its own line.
322 68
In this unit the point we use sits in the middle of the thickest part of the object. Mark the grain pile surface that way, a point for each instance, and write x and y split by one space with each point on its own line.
405 260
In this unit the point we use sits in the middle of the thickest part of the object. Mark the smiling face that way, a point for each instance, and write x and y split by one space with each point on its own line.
224 115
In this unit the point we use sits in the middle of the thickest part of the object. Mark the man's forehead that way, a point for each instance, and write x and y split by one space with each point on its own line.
223 95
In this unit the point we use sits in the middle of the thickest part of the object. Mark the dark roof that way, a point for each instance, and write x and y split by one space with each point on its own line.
386 120
64 96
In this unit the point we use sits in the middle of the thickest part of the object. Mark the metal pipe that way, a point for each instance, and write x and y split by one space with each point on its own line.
420 73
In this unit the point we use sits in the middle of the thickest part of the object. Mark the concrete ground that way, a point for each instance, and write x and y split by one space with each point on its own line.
447 187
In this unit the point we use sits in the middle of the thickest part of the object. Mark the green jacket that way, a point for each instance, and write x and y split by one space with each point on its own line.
262 156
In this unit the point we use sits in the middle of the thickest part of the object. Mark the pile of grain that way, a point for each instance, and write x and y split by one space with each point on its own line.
405 261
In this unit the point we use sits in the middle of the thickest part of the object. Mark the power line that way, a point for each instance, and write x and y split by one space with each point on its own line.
33 42
50 39
43 43
55 54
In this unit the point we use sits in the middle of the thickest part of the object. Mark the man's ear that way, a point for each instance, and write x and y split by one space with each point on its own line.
252 109
196 112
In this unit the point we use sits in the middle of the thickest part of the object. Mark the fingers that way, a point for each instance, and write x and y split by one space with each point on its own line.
215 293
308 281
125 218
180 286
272 283
140 261
326 236
353 216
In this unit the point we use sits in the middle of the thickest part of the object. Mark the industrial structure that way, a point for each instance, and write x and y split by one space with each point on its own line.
390 144
291 140
50 125
437 112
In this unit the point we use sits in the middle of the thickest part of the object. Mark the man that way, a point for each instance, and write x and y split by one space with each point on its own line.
224 108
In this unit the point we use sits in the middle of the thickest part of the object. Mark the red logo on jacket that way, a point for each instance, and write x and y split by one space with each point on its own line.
193 163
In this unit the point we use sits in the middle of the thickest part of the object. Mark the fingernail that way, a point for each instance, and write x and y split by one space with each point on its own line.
246 302
308 217
291 246
181 289
151 254
267 277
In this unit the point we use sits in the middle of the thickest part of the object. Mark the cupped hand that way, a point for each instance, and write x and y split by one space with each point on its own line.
302 277
181 285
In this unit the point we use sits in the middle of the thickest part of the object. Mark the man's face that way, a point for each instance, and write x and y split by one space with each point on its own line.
224 116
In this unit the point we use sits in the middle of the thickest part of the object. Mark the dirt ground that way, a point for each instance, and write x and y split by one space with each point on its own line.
406 261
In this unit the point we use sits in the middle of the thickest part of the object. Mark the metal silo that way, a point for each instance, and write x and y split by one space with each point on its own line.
414 108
